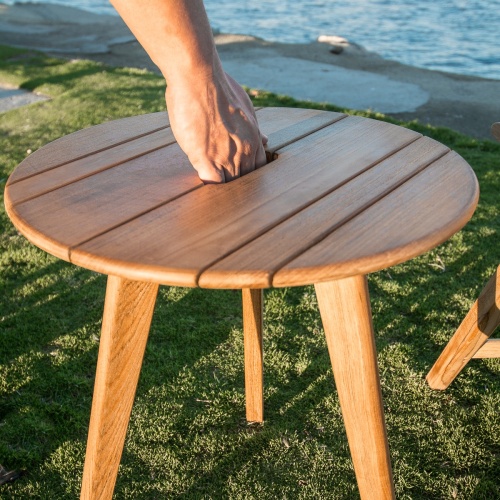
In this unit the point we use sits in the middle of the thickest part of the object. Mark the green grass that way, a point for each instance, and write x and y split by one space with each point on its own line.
188 437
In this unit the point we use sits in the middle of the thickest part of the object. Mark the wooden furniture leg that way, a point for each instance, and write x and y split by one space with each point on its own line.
347 321
495 130
128 310
252 331
471 338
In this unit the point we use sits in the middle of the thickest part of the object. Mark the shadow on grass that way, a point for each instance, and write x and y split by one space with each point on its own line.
183 332
190 401
56 378
68 79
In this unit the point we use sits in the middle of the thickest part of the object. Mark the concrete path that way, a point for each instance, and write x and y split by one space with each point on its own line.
11 98
266 69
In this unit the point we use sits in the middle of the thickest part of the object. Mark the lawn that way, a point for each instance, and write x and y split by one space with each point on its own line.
188 437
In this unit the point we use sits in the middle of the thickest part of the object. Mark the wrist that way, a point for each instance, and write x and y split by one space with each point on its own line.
193 71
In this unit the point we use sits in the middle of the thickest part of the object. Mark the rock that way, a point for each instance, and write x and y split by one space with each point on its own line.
337 49
49 14
333 40
338 43
59 29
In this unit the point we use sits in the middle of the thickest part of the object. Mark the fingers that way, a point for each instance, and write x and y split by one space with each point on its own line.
238 158
209 173
247 155
215 124
251 158
246 166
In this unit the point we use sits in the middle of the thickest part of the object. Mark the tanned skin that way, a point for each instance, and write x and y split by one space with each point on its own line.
211 116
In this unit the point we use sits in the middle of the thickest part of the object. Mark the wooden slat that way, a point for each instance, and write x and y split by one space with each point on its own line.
284 125
255 263
412 219
84 209
491 349
279 129
76 204
208 224
79 169
87 142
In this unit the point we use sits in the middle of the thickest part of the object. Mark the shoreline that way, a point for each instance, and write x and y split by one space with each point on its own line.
342 74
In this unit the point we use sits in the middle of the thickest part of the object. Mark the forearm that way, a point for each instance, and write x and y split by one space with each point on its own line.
175 33
211 116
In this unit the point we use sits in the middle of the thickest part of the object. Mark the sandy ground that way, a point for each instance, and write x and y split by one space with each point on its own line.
353 78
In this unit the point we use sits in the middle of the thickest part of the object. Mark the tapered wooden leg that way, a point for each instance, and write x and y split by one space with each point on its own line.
471 338
346 314
252 331
128 310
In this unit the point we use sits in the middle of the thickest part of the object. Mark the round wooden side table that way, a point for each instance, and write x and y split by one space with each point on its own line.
342 196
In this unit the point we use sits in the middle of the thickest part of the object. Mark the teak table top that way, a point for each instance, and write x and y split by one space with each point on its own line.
343 196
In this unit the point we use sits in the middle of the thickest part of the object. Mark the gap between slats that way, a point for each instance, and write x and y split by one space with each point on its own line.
95 172
355 214
130 219
312 202
274 154
81 157
430 214
97 151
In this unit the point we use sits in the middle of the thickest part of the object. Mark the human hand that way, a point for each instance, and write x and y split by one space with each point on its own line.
211 116
214 123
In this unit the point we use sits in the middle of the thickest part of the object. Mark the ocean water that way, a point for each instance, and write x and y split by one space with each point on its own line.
458 36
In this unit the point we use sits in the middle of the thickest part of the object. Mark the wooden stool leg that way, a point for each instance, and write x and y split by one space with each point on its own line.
128 310
470 337
252 331
346 314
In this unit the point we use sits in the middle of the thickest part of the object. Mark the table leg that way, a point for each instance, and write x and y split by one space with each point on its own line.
346 315
472 334
128 310
252 331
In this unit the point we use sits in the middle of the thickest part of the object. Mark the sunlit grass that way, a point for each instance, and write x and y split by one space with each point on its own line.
188 437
